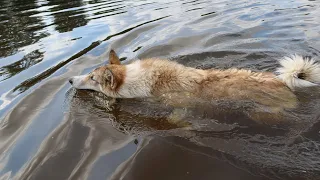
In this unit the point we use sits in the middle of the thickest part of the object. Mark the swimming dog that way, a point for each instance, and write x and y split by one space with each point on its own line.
154 77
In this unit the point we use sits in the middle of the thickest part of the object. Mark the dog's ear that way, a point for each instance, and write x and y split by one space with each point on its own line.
113 57
110 79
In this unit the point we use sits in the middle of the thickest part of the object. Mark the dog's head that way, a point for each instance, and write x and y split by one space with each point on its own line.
105 79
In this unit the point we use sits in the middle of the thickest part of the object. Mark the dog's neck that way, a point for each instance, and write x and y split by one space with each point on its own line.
135 84
148 79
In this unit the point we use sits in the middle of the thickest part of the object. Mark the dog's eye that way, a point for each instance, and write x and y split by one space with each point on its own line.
94 78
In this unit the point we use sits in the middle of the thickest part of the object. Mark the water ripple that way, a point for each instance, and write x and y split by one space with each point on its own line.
45 129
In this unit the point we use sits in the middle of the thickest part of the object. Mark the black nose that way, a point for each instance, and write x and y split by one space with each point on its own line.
70 81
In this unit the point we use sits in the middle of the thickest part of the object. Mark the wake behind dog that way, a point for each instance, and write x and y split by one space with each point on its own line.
156 77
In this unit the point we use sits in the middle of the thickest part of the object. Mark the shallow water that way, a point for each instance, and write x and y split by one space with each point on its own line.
50 131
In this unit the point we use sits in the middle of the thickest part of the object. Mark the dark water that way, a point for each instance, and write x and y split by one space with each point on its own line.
50 131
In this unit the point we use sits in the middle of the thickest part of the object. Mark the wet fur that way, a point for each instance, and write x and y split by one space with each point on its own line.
156 77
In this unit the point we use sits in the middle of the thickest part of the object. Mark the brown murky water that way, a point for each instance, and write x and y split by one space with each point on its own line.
50 131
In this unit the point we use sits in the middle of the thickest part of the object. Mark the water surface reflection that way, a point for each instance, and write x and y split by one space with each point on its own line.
49 131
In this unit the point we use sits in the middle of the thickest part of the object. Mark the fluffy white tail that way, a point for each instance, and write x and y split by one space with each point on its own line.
298 72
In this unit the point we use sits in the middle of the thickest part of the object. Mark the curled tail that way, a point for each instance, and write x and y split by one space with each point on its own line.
298 72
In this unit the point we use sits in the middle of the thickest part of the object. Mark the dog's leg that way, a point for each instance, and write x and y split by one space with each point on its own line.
176 117
270 116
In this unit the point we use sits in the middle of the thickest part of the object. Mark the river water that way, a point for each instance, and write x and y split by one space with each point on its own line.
51 131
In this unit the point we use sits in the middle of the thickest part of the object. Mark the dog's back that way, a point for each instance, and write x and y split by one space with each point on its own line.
235 84
231 84
264 88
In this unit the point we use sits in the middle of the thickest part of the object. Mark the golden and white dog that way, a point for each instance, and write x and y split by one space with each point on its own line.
155 77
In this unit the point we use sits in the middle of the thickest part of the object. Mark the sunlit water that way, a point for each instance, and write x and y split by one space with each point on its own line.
51 131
